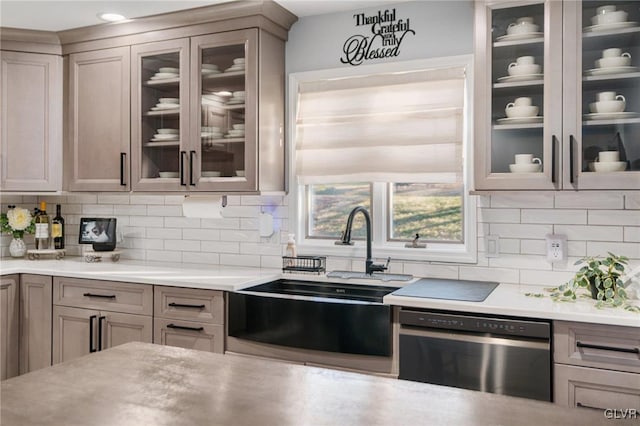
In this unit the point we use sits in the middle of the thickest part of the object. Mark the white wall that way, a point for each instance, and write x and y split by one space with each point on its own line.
595 222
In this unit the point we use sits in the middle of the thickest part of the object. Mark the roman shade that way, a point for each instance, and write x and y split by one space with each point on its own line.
391 127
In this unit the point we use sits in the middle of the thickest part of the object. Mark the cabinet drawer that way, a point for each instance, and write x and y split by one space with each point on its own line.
189 335
107 295
593 345
189 304
595 388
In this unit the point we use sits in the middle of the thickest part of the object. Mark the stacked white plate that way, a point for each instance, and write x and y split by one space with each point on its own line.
238 65
236 132
209 69
211 132
212 99
166 135
166 72
166 104
237 98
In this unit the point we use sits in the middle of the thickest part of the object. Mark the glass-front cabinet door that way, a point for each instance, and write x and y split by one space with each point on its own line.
602 94
223 114
518 95
160 107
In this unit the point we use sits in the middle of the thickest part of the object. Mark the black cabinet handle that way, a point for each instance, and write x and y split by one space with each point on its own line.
182 155
180 305
100 320
581 405
123 160
191 154
91 320
104 296
571 143
182 327
554 144
608 348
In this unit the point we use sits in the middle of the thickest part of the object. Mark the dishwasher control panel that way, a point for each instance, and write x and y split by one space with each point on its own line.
476 324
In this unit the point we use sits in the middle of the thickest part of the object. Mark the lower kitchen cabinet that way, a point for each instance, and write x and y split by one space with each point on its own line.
35 322
189 318
596 366
91 315
9 327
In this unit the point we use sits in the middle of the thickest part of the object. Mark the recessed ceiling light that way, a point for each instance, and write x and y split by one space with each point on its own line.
111 17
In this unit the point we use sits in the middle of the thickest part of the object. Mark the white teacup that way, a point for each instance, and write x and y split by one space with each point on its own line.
611 53
623 60
527 159
605 9
612 17
525 60
608 156
606 96
522 101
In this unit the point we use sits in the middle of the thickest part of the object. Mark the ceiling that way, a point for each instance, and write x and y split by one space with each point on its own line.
54 15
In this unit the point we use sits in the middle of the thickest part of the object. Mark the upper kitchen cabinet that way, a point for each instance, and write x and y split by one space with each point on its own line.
97 135
601 95
557 95
518 95
31 123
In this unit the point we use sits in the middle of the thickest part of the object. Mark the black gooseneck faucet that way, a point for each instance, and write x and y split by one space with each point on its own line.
370 267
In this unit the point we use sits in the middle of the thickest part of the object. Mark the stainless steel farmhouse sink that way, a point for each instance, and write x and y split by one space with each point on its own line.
333 317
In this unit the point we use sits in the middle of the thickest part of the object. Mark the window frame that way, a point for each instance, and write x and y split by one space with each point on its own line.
446 252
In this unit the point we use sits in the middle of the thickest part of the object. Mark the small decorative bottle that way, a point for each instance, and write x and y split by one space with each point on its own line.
290 251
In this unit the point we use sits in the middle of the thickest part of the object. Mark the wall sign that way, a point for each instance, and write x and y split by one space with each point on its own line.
385 39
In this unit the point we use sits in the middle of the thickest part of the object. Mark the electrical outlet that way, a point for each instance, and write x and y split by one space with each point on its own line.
556 248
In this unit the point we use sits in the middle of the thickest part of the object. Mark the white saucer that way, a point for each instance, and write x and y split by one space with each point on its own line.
155 77
164 140
613 166
210 135
611 70
166 106
236 102
612 26
532 168
523 36
207 71
525 77
609 115
164 137
234 68
521 120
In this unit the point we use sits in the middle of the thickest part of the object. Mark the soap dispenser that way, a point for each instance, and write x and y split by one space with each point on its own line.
290 251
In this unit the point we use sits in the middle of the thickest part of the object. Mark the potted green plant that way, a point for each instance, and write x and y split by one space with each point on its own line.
601 276
17 221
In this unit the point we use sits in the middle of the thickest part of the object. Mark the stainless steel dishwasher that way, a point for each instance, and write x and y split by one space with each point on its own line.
509 356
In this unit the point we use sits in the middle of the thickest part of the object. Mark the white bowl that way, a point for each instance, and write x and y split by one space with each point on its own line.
169 100
168 131
610 17
169 174
606 106
239 94
169 70
617 61
238 127
211 174
522 28
240 173
609 166
521 111
524 69
238 61
525 168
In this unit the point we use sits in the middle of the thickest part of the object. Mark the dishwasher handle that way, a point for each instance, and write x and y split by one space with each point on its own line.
475 338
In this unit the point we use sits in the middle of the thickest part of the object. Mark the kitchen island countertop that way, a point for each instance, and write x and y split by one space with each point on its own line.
506 299
141 383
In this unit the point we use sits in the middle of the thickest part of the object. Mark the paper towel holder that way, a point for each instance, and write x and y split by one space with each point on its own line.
223 200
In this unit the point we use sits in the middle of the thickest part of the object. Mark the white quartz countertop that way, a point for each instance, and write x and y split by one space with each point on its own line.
506 299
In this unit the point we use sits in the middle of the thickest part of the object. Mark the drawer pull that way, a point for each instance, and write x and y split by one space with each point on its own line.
180 305
608 348
581 405
182 327
104 296
91 319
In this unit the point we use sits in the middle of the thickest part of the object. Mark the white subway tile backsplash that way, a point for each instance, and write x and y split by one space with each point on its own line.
173 200
201 257
225 223
201 234
181 222
164 255
82 198
131 210
632 234
220 246
164 233
97 209
632 201
589 200
520 230
271 262
614 217
262 249
534 200
165 210
554 216
538 247
597 248
148 199
502 275
590 233
241 236
182 245
499 215
241 211
430 270
147 221
544 278
113 199
520 262
249 223
240 260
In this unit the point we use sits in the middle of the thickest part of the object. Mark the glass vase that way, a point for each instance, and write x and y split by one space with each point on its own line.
17 247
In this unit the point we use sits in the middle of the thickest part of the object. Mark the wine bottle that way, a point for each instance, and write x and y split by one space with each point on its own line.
42 227
57 229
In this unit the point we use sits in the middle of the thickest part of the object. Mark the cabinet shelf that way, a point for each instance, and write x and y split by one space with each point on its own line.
536 40
518 126
519 84
611 122
162 144
163 82
612 32
629 75
221 140
174 112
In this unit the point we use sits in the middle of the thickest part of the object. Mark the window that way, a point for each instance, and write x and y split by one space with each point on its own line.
394 139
